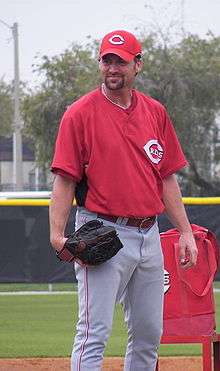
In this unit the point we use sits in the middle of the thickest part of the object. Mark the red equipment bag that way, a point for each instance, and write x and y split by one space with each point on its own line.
189 307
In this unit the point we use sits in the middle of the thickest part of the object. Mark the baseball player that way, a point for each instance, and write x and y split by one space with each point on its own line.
117 153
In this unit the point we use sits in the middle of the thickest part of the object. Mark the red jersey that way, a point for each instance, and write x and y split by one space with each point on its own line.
124 154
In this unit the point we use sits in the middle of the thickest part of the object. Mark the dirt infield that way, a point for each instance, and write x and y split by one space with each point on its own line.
110 364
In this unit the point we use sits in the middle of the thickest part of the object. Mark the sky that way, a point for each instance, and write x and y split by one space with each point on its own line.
48 27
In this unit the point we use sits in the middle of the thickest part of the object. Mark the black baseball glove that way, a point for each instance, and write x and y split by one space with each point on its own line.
91 244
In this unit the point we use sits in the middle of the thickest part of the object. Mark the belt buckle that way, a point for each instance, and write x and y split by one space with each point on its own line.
143 221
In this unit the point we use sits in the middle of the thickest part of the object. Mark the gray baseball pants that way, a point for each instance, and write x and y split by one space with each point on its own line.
135 278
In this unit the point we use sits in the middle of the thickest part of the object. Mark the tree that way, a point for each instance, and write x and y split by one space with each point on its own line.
186 79
66 78
6 109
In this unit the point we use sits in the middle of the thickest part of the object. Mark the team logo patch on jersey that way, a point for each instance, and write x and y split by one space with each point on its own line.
117 40
154 151
166 281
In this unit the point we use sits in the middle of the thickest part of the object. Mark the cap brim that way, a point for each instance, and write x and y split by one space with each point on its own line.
121 53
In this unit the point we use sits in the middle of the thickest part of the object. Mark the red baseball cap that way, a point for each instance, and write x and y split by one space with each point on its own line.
122 43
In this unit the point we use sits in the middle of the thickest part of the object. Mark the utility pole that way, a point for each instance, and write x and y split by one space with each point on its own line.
17 138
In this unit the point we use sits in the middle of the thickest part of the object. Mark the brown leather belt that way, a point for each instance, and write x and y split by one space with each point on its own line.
131 222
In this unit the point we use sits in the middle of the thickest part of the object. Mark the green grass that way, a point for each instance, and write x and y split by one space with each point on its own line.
44 326
37 326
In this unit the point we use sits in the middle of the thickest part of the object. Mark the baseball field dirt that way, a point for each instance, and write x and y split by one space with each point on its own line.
110 364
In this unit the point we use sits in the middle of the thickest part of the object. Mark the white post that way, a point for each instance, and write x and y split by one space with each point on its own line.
37 178
50 287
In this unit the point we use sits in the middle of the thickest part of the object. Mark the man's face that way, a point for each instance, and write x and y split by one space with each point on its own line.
117 73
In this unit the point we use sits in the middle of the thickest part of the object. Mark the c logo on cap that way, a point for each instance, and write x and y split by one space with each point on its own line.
116 40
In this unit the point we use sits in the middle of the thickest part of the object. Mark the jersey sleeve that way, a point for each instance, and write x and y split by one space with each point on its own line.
174 158
69 149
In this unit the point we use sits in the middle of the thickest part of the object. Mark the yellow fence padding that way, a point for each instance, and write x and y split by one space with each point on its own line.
46 202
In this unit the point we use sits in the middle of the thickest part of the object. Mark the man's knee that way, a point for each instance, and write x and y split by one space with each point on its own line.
149 333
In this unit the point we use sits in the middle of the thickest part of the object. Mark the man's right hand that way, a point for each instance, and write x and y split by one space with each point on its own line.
58 242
